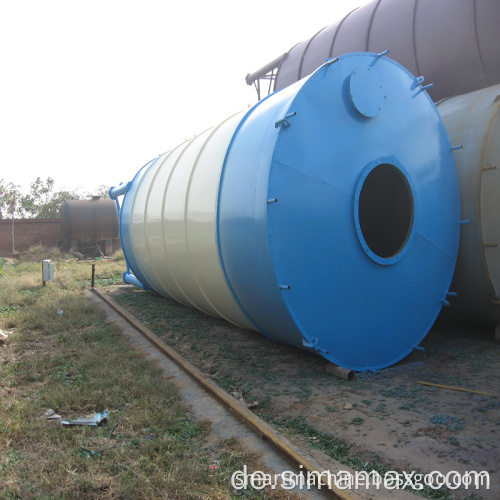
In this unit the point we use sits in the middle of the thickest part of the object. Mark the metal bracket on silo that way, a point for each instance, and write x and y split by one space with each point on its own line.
284 121
313 344
444 301
378 56
417 82
331 61
425 87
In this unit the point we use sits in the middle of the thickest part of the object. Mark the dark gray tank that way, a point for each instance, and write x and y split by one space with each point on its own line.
88 224
455 44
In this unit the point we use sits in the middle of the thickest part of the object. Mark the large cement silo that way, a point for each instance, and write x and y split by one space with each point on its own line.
454 43
325 217
473 121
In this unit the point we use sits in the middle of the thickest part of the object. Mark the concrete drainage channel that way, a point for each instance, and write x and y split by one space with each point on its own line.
229 417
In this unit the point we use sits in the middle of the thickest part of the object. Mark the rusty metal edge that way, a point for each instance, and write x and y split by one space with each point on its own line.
243 414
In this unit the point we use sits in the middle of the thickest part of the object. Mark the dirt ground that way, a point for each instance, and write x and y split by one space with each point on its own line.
386 418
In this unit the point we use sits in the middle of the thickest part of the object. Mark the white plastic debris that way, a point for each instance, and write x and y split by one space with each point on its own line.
51 415
3 337
97 419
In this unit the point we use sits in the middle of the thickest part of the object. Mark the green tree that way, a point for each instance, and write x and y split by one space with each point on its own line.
10 200
43 202
103 191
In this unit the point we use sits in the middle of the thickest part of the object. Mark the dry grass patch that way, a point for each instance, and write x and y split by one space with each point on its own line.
63 354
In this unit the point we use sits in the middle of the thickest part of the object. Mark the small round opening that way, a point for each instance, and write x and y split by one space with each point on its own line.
385 210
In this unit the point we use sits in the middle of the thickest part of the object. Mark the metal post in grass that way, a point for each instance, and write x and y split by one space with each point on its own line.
93 276
47 271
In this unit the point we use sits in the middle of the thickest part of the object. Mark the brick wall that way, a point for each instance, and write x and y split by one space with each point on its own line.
27 233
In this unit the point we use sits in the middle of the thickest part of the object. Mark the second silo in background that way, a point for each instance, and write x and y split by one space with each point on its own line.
90 227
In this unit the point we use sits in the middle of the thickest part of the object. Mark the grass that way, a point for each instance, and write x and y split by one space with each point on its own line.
262 371
62 353
335 447
287 382
449 421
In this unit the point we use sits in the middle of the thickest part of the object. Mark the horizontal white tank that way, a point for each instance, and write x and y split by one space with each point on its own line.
174 223
325 217
473 121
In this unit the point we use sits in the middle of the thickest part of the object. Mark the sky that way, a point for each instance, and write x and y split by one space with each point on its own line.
92 90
